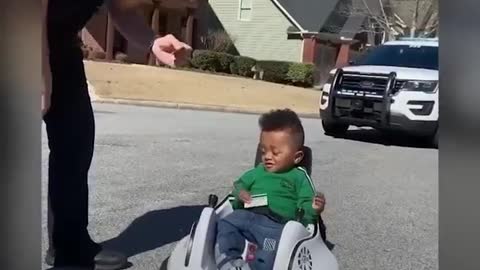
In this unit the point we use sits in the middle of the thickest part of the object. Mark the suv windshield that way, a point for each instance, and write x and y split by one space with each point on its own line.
402 56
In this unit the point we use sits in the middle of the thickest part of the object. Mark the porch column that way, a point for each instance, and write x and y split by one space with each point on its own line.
343 55
156 28
110 38
189 26
309 50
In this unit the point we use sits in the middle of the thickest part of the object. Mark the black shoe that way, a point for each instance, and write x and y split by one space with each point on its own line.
104 260
70 268
110 260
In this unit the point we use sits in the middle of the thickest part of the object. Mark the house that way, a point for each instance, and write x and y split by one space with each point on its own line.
322 32
165 16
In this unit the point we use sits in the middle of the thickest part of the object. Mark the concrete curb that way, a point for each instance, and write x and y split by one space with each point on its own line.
189 106
91 91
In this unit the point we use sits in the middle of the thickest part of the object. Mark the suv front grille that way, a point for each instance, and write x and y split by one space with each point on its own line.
363 97
366 85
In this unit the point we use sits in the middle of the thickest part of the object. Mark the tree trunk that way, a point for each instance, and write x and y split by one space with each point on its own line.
413 28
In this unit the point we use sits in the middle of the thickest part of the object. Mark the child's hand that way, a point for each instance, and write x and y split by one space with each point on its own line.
245 196
319 203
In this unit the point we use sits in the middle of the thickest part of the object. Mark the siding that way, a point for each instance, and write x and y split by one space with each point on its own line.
264 37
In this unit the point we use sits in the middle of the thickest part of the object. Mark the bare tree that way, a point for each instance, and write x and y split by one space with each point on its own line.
219 41
415 18
393 18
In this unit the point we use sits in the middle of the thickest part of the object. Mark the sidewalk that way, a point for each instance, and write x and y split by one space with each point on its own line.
153 86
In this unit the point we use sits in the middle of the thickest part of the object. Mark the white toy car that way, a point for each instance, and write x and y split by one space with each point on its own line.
299 248
394 87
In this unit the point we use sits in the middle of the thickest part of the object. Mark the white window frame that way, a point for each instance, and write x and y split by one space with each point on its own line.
240 9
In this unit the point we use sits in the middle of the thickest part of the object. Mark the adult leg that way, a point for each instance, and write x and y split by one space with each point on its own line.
70 128
71 133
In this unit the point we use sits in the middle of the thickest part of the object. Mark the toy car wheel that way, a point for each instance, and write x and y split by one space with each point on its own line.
334 129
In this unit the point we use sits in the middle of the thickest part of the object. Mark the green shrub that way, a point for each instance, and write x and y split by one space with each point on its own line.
274 71
234 67
212 61
205 60
300 74
224 61
243 66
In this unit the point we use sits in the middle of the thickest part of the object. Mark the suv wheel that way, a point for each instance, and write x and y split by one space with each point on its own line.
332 128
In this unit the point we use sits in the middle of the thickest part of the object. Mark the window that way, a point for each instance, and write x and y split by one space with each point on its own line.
402 56
245 13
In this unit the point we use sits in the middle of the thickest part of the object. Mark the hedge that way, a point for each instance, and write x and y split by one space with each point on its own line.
212 61
273 71
284 72
224 61
243 66
300 74
205 60
234 67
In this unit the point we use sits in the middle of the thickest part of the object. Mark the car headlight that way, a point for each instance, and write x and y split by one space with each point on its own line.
422 86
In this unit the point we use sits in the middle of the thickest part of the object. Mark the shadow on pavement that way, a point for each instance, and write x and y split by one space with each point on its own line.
128 265
377 137
155 229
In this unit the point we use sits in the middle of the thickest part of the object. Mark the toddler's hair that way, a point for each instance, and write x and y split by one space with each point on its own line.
284 119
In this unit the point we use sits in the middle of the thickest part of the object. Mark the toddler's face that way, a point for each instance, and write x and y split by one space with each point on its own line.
278 151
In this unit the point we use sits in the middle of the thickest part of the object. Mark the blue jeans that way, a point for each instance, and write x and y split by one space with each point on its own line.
258 229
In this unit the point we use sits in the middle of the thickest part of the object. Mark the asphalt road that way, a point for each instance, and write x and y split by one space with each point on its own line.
154 168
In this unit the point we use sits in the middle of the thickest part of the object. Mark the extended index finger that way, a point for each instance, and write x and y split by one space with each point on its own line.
177 44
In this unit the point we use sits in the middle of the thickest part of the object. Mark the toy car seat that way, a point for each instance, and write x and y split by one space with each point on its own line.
299 248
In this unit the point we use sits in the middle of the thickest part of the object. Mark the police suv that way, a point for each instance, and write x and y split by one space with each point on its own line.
393 87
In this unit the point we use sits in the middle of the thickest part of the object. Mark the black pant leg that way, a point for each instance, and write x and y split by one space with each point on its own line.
71 131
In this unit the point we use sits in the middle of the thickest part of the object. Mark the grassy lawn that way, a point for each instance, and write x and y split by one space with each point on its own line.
179 86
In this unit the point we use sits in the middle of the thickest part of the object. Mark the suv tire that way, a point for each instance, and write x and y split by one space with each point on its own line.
334 129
